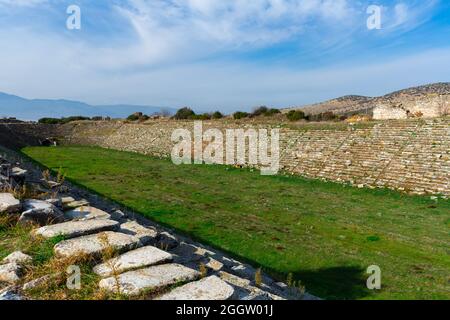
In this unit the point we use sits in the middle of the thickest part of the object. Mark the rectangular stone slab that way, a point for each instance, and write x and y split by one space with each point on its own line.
8 203
211 288
152 278
95 244
86 213
74 229
139 258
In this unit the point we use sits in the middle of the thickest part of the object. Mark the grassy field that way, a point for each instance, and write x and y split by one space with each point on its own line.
325 234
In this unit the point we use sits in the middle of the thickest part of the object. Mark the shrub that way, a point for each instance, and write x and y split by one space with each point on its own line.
217 115
62 120
240 115
272 111
184 113
137 116
50 121
263 110
204 116
75 118
324 116
295 115
259 111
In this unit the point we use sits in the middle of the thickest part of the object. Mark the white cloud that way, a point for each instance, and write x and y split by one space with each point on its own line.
404 16
197 28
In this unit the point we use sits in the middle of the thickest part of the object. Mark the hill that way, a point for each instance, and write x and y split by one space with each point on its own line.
34 109
361 104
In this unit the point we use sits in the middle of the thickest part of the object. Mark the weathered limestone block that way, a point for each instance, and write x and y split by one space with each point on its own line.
118 215
67 200
8 203
74 204
214 265
17 172
18 257
166 241
245 290
74 229
86 213
95 244
210 288
10 272
145 234
56 202
40 212
139 258
152 278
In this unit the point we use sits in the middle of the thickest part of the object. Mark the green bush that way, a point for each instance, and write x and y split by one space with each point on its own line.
184 113
137 116
240 115
217 115
295 115
324 116
204 116
260 111
263 110
62 120
272 112
50 121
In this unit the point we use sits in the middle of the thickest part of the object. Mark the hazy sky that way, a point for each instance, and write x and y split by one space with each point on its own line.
220 54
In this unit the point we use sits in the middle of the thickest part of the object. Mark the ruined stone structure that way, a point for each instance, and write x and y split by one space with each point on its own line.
410 155
431 106
428 101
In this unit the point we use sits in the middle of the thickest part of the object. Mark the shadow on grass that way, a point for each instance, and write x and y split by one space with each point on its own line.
335 283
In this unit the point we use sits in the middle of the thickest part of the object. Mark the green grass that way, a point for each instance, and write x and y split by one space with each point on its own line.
325 234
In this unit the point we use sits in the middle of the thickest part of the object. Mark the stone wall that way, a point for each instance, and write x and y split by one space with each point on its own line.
18 135
410 155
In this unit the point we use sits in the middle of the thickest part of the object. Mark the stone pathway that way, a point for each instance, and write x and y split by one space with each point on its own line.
152 278
73 229
152 260
96 244
139 258
211 288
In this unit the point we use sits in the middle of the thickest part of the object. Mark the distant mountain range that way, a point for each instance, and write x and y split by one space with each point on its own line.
361 104
34 109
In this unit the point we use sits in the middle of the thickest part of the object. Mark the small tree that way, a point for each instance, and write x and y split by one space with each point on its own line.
260 111
50 120
135 116
217 115
272 112
184 113
263 110
240 115
295 115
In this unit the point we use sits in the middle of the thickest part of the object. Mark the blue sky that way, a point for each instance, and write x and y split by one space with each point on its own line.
215 54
